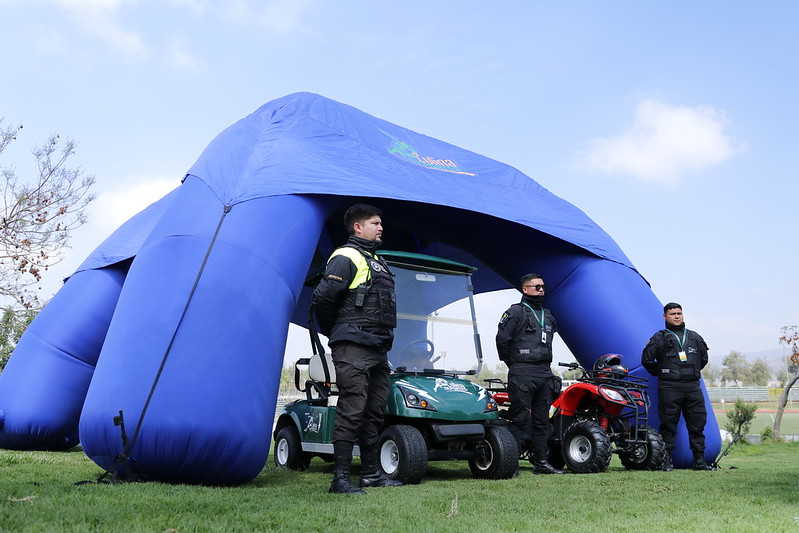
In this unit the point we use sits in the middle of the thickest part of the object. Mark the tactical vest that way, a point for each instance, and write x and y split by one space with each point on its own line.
670 368
370 300
527 347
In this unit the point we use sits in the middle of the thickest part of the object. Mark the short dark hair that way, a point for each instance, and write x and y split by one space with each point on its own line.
359 213
528 277
671 305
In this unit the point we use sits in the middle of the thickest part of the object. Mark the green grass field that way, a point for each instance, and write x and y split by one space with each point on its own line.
764 416
38 493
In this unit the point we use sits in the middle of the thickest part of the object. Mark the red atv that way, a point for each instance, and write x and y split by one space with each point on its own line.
606 411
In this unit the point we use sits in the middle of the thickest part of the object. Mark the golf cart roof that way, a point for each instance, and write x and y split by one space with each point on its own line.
422 261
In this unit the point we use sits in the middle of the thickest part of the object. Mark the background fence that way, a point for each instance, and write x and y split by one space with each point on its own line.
750 394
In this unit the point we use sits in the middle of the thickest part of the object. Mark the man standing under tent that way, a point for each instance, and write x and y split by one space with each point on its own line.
677 355
524 343
356 310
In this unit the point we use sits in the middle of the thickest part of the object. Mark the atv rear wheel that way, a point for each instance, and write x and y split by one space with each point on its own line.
647 456
288 450
586 447
496 455
403 453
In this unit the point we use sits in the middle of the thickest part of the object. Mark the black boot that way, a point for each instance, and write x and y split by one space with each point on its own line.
342 458
541 463
668 466
700 464
371 473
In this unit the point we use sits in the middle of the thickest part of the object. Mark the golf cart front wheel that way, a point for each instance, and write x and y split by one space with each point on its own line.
288 450
496 455
586 447
403 453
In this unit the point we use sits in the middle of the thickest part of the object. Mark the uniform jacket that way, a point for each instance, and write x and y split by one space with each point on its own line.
519 335
355 301
661 356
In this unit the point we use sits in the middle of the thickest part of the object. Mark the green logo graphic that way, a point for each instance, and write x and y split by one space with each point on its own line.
406 152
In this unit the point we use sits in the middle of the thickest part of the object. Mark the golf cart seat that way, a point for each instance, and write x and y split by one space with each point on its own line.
319 388
316 369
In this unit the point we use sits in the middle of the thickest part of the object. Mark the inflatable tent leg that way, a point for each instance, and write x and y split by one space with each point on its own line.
199 333
44 383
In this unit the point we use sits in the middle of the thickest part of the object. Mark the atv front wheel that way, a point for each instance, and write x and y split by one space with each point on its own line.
496 455
586 447
648 456
403 453
288 450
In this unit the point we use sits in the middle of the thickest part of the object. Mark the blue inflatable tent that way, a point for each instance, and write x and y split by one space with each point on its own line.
176 325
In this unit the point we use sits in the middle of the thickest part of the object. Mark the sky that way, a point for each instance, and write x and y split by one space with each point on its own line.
671 124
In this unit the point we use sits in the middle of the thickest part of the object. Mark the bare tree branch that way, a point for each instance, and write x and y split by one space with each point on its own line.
39 214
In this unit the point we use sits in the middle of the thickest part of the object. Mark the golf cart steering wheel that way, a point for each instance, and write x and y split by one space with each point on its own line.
422 354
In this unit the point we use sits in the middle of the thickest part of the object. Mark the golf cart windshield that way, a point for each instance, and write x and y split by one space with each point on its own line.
436 327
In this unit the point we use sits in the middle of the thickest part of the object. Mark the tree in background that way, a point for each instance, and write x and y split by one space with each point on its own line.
758 373
711 374
38 215
740 417
790 337
734 368
12 325
786 371
737 370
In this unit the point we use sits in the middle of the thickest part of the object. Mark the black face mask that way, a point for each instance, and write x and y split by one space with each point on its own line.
536 300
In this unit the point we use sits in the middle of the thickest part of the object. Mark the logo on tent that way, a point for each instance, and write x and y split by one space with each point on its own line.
405 151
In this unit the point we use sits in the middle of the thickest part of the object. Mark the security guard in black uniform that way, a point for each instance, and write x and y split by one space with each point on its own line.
524 343
356 310
676 355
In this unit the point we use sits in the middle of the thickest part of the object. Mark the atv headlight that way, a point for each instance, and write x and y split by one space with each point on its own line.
612 395
415 401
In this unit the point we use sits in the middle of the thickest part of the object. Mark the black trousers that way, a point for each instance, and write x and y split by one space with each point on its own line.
686 398
530 396
363 384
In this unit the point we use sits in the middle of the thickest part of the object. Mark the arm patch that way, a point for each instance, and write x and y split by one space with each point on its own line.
503 319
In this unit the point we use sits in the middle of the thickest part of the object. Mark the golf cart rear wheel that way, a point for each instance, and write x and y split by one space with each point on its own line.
647 456
288 450
586 447
403 453
496 455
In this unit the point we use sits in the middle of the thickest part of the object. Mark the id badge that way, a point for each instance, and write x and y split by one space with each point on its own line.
543 337
683 357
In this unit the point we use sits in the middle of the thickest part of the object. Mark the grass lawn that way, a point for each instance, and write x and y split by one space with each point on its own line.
38 493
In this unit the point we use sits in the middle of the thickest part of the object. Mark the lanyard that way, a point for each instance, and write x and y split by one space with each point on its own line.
540 322
682 342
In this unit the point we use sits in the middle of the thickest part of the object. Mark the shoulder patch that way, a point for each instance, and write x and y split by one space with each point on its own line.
503 319
334 277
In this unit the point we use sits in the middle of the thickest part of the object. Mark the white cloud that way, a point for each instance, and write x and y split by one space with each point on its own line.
279 16
665 143
179 57
99 17
113 207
